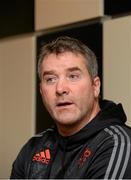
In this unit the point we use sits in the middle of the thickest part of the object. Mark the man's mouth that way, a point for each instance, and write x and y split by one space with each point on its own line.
64 104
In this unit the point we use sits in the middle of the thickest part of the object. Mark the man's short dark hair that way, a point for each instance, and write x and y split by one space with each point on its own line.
67 44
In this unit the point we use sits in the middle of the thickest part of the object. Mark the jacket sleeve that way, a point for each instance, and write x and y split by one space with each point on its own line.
20 165
111 159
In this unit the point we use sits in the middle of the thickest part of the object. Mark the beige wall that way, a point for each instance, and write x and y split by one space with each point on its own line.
117 62
17 98
52 13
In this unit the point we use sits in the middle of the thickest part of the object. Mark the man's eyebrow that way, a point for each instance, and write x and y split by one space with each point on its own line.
48 73
73 69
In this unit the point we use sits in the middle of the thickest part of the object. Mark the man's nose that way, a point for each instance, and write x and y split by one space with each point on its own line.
62 87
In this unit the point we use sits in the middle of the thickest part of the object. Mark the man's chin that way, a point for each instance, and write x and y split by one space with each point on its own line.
66 121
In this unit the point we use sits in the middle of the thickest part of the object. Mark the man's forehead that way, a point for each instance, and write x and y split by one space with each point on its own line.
64 58
66 61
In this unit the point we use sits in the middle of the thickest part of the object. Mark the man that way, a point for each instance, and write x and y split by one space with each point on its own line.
89 141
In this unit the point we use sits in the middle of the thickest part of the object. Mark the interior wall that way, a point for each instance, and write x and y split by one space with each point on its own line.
117 62
17 98
61 12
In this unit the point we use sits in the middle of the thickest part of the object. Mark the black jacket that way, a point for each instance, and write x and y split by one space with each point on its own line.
102 149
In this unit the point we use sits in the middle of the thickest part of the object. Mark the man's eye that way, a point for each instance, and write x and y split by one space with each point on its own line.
50 80
74 76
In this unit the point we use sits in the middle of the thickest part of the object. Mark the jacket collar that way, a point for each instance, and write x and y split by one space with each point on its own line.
110 114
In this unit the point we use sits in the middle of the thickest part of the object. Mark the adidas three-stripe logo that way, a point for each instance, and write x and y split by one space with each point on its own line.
120 153
43 156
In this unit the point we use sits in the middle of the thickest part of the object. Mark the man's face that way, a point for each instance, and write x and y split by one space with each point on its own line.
67 90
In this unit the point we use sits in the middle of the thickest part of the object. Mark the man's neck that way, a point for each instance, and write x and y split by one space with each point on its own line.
71 129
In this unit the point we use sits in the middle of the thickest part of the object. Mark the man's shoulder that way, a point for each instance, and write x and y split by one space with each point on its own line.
115 133
47 135
47 132
120 134
118 129
40 140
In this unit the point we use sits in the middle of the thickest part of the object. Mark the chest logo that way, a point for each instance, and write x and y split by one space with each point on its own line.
86 154
44 156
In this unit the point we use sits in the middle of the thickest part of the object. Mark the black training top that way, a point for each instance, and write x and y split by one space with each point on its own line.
102 149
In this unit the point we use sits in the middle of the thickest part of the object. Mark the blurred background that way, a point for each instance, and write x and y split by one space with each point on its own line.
25 25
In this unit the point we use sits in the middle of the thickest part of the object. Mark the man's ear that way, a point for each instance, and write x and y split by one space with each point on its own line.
96 85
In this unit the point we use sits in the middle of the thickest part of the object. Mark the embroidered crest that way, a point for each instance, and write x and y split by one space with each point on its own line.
86 154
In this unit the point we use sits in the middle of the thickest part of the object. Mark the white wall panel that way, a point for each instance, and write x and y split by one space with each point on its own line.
52 13
117 62
17 98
